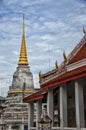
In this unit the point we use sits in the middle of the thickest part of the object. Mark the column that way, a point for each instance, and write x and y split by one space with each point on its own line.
22 127
38 111
10 127
30 114
50 104
79 103
63 106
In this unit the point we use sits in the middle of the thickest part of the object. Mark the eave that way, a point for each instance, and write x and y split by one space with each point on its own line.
33 97
68 76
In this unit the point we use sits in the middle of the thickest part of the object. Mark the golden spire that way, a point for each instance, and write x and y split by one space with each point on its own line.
23 54
64 56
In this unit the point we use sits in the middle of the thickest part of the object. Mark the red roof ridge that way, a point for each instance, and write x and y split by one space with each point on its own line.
72 54
76 49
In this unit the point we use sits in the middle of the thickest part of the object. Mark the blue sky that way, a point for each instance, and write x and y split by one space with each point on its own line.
51 26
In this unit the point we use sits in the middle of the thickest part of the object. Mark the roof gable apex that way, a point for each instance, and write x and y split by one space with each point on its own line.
78 53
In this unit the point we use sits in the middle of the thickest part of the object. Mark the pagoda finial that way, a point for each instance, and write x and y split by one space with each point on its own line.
23 26
64 56
84 31
23 54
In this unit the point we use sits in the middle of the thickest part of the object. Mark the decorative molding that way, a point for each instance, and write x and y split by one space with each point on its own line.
76 65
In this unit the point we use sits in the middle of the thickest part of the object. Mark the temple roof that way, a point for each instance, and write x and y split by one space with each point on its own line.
68 76
76 59
74 68
33 97
79 52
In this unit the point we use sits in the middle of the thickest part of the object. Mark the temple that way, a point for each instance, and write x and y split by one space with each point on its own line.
14 115
22 77
62 92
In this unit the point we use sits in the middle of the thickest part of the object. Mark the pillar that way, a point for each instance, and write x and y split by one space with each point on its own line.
79 103
10 127
50 104
30 114
22 127
38 111
63 106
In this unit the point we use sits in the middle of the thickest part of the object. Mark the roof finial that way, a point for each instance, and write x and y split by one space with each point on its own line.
64 56
84 31
40 77
23 54
56 65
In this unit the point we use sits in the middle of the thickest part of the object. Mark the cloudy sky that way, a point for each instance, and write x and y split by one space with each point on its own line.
51 26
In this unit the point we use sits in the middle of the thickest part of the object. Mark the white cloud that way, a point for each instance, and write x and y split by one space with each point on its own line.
10 1
54 26
50 25
16 53
80 18
2 57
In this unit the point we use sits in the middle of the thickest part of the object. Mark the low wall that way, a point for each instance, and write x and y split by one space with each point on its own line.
58 128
